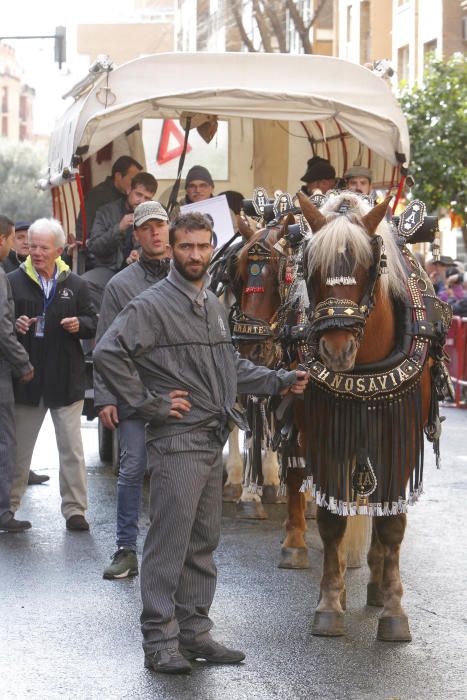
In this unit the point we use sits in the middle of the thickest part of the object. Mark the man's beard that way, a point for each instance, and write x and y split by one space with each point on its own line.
190 276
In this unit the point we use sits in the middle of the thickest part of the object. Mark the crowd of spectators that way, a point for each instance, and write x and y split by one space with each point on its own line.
450 282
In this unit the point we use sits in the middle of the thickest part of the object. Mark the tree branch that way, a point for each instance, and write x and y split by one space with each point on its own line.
237 13
302 30
263 28
273 12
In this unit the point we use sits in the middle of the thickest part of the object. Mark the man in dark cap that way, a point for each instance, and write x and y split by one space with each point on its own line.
437 270
320 176
199 184
20 247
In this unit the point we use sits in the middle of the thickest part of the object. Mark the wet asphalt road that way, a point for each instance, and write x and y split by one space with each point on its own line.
68 634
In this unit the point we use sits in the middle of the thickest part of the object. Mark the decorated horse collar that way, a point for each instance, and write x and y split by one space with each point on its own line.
426 319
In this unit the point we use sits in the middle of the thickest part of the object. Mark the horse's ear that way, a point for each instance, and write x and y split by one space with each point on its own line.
288 221
311 213
372 220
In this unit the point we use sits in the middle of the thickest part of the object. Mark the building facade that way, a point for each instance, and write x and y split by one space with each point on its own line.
148 28
404 32
233 25
16 97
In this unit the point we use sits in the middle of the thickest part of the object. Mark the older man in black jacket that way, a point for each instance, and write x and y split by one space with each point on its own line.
53 311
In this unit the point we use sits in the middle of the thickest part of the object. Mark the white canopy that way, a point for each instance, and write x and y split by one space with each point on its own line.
337 95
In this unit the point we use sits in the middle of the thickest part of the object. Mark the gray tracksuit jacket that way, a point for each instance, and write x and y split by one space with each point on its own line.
121 289
14 360
177 337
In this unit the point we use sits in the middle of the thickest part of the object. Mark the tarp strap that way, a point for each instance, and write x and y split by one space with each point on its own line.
176 185
399 193
82 208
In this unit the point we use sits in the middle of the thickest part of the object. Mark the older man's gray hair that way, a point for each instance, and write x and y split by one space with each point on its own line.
49 226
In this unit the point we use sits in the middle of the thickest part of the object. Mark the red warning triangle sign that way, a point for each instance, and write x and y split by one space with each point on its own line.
170 142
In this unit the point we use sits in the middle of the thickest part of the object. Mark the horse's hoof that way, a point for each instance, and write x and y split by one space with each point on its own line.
231 493
374 595
251 510
328 624
270 495
311 510
394 629
294 558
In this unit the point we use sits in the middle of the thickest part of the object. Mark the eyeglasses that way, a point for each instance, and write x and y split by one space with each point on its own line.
202 186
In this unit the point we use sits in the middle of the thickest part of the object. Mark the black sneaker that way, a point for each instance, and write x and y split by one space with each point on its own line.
211 651
124 564
13 525
167 661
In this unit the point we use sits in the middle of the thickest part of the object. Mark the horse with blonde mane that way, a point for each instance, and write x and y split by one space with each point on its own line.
374 343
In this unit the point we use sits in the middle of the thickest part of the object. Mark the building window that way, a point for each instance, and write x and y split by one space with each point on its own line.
4 125
365 33
349 24
428 49
4 100
403 63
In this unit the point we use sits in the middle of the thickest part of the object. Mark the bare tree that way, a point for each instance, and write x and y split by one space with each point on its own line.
271 19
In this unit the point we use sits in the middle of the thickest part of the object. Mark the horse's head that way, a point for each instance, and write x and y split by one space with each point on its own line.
259 298
343 261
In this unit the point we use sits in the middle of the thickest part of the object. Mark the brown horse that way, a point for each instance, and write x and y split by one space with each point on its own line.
261 290
362 425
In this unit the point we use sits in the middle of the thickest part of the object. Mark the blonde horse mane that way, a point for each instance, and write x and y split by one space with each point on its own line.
345 234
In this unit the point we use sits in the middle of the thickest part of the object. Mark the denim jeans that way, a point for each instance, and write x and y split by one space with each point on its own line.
133 460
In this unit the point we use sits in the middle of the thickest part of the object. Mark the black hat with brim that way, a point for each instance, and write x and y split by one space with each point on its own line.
318 169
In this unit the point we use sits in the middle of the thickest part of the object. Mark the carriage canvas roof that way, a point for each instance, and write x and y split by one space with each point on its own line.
337 94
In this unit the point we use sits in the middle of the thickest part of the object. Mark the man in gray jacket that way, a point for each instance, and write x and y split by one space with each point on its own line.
169 355
152 234
14 361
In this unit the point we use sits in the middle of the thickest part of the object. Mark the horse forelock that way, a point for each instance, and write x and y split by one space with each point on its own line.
345 232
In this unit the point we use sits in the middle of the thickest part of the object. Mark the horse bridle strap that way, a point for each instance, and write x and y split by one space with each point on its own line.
248 328
338 313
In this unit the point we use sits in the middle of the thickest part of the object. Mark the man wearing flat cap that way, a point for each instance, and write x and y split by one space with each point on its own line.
320 176
358 179
152 234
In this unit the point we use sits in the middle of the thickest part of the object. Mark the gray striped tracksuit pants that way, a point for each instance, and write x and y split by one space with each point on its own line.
178 574
7 439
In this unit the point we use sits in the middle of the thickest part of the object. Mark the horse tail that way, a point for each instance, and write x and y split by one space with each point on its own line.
357 540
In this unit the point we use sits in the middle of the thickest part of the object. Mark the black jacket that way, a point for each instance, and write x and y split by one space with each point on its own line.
12 261
57 357
101 194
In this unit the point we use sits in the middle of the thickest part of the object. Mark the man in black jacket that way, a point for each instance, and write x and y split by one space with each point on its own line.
53 311
115 186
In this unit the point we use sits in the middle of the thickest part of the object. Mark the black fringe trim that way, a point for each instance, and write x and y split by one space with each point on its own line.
389 433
